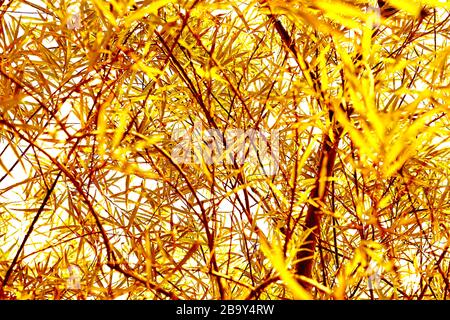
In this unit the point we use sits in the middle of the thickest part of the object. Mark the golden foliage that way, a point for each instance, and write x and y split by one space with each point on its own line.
97 95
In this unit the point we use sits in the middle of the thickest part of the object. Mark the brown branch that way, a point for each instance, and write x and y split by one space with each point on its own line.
305 255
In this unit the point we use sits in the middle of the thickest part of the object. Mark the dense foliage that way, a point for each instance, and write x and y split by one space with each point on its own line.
350 99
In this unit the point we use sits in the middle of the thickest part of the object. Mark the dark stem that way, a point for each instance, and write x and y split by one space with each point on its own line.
30 230
305 255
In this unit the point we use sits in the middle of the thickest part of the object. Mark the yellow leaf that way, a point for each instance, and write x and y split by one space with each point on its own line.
408 6
151 8
104 9
275 256
149 71
120 130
